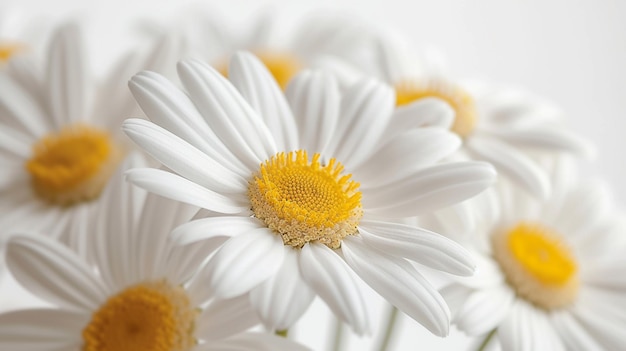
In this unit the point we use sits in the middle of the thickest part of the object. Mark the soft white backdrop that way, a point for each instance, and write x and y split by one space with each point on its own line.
570 52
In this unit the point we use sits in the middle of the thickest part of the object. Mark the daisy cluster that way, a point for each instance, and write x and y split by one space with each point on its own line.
213 183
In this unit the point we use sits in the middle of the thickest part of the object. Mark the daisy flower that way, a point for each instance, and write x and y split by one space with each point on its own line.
548 270
19 33
506 128
142 295
58 150
305 187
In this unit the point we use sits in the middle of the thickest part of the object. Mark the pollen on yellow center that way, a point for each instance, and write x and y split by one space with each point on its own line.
460 101
282 66
153 316
538 265
304 200
8 49
72 165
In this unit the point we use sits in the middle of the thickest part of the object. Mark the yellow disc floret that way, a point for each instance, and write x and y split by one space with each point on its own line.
460 101
8 49
72 165
152 316
538 265
306 201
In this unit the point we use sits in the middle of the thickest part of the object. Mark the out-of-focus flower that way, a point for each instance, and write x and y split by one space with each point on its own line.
58 150
304 187
504 127
142 294
19 34
550 271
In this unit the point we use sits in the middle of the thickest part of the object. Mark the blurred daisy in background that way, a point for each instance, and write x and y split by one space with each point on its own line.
142 294
550 275
60 137
305 188
20 33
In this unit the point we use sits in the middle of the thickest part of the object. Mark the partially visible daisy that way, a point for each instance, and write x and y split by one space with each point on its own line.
550 271
57 149
504 127
142 295
19 33
306 187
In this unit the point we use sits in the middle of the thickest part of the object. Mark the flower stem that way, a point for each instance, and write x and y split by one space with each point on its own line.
391 323
338 337
483 345
283 333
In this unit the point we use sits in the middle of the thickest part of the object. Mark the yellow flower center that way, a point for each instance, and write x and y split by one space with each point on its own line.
8 49
282 66
462 103
537 265
151 316
72 165
306 201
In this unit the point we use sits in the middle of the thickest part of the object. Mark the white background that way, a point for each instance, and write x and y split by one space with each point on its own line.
570 52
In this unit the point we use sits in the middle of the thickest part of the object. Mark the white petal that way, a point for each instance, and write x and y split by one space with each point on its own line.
605 325
455 296
42 329
211 227
553 139
331 278
524 329
419 245
314 99
574 335
283 299
54 273
429 189
484 310
406 152
365 111
229 115
180 189
400 284
14 145
66 77
258 87
170 108
253 342
21 110
244 262
512 163
427 112
183 158
224 318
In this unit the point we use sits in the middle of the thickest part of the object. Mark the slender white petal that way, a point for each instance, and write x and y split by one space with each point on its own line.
53 272
66 77
430 189
14 145
427 112
169 107
229 115
183 158
244 262
419 245
224 318
572 333
524 330
41 329
180 189
283 299
252 342
455 296
211 227
21 110
258 87
314 99
512 163
331 278
484 310
365 111
26 73
400 284
405 153
548 139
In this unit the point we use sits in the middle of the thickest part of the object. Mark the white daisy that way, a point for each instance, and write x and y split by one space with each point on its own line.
504 127
19 33
550 272
305 188
57 150
142 295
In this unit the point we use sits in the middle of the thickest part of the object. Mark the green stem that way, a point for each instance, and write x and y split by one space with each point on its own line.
283 333
338 337
391 324
483 345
